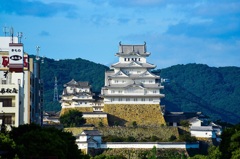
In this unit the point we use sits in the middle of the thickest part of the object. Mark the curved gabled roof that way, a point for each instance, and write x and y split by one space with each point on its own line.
133 64
126 50
74 83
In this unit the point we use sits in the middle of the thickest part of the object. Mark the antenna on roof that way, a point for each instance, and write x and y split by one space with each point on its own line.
20 35
5 30
37 54
11 33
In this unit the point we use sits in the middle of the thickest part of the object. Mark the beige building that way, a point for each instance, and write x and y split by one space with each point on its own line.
16 83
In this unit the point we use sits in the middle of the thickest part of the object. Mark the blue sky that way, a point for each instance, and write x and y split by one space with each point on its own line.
176 31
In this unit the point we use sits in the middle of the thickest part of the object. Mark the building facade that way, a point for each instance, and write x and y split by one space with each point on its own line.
16 87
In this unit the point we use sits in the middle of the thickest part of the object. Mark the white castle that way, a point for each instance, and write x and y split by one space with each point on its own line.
131 92
131 80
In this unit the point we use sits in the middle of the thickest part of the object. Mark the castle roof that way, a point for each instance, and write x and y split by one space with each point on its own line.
126 50
133 64
77 84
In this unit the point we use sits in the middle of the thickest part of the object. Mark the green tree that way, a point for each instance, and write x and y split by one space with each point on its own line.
184 123
153 153
7 146
34 141
72 118
134 124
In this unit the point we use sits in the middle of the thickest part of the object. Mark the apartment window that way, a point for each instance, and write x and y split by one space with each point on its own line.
138 71
150 99
154 91
119 99
4 81
112 91
138 59
143 99
127 99
112 99
125 59
135 99
120 91
150 81
8 120
6 102
128 59
116 81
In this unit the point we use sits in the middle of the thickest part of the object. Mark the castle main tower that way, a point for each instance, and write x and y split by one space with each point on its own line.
132 92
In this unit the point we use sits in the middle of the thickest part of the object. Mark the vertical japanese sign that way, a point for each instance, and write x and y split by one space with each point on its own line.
15 57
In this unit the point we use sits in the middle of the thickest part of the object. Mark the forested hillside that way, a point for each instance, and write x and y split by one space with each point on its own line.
66 70
192 87
197 87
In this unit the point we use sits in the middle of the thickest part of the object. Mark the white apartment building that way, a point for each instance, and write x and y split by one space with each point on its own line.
130 81
16 83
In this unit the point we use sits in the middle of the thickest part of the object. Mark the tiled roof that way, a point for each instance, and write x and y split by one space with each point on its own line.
178 116
133 64
132 50
201 128
77 84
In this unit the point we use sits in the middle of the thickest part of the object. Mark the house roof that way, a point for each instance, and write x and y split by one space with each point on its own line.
201 128
178 116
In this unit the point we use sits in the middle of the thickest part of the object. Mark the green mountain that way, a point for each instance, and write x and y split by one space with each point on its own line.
192 87
196 87
66 70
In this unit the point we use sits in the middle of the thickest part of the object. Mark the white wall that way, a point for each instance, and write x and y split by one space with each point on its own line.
203 134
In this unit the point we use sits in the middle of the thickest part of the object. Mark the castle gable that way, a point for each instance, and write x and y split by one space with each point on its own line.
119 74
